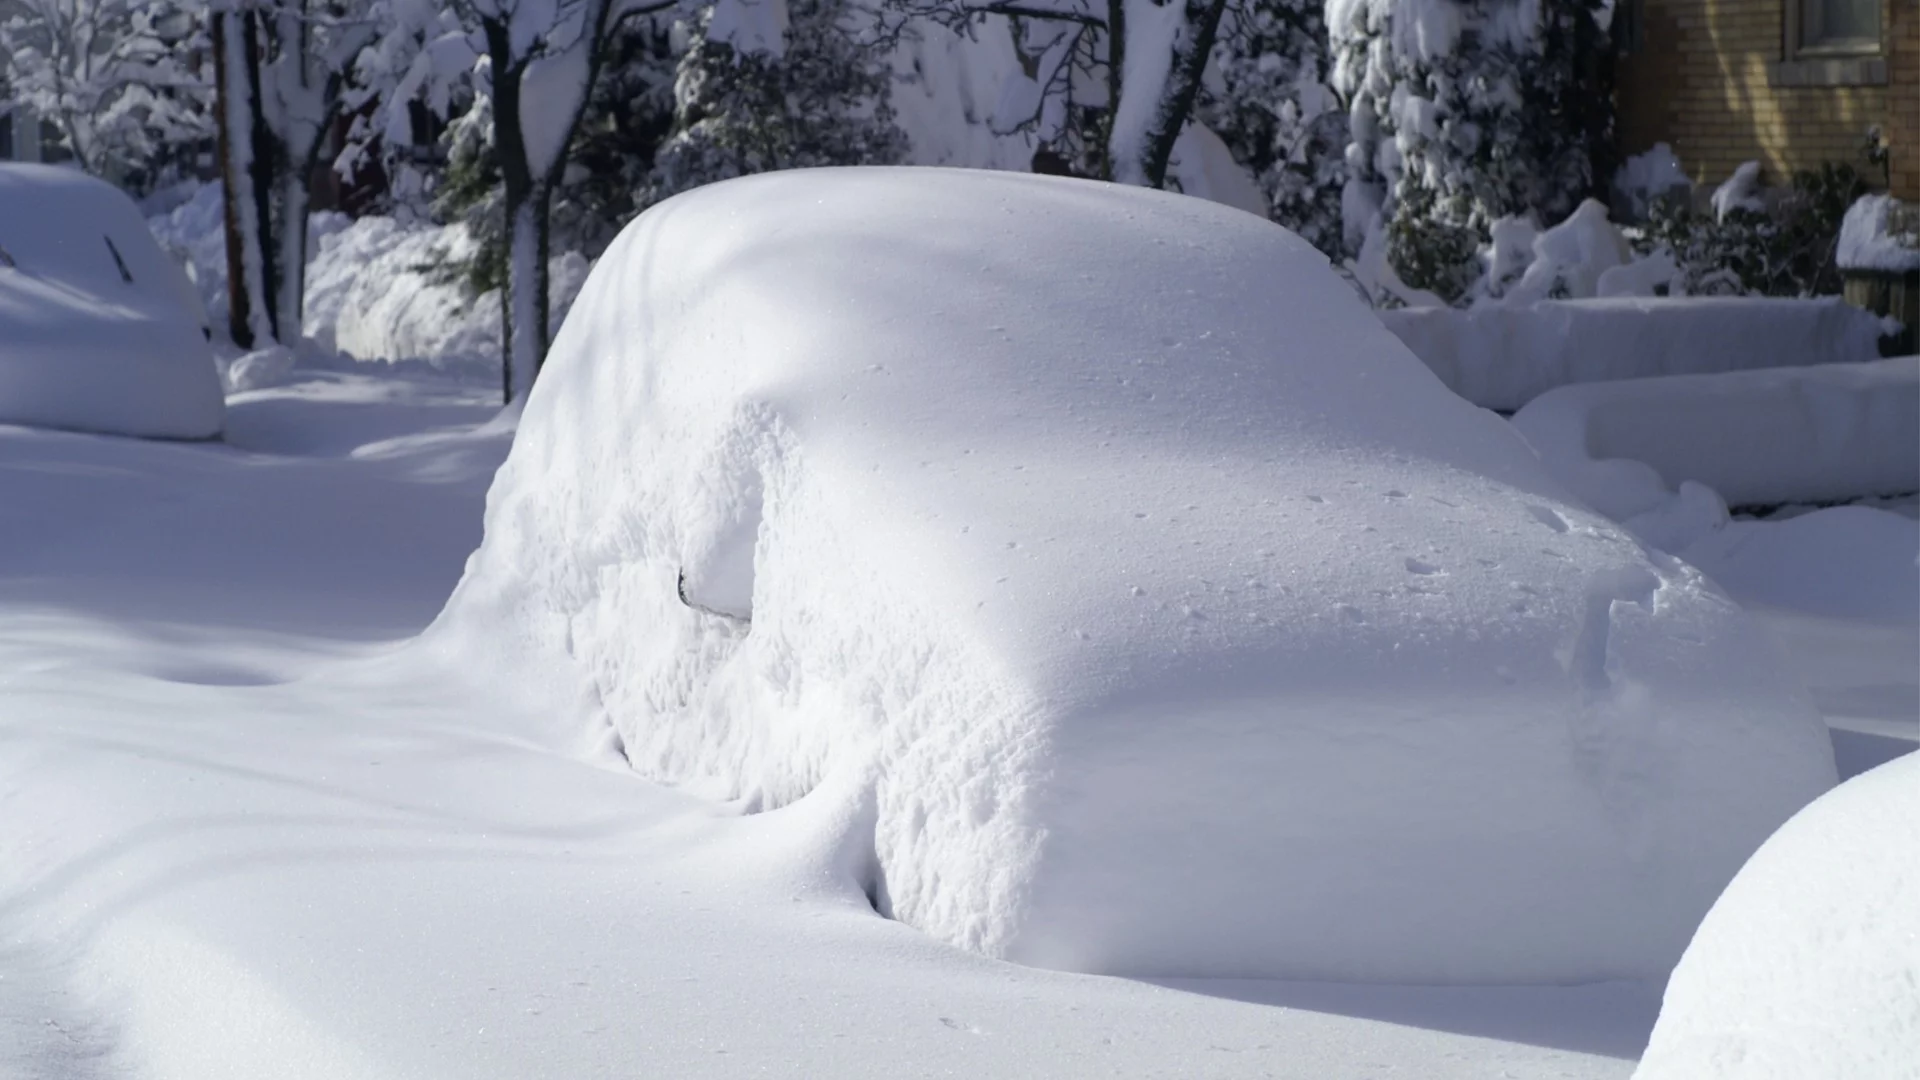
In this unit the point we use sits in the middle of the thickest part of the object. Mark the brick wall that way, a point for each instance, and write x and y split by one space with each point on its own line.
1700 82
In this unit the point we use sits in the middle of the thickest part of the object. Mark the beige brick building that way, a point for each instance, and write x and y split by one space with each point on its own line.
1789 83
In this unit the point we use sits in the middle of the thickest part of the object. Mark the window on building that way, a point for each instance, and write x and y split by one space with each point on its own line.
1834 27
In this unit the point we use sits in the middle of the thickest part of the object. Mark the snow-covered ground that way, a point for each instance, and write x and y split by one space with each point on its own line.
250 827
240 839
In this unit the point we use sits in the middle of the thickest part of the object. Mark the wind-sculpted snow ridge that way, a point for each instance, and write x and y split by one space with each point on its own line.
1806 969
1170 616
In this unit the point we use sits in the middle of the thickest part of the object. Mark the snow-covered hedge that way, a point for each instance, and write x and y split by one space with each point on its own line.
1502 356
1808 968
1151 609
1786 435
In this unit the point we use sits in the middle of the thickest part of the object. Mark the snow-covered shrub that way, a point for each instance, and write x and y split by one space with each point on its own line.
1765 243
1466 111
1267 99
1647 178
750 99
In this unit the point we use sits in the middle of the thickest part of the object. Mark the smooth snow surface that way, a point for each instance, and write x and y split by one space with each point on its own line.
242 838
1782 435
1808 968
99 329
1851 561
1870 240
1151 610
1502 356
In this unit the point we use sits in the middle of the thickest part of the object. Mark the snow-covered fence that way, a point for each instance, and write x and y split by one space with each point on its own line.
1503 356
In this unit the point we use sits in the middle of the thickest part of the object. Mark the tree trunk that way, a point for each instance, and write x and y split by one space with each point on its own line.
525 297
1183 86
243 167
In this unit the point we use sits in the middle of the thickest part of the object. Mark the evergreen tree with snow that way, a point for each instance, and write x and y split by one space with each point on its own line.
1267 99
1466 111
754 96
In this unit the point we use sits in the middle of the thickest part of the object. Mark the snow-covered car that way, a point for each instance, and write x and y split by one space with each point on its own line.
99 329
1124 596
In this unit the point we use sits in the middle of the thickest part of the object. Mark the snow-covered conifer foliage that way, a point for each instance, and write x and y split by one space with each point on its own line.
1466 111
113 79
1267 99
1108 85
778 84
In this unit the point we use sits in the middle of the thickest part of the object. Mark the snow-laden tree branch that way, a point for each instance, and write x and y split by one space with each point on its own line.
534 62
111 77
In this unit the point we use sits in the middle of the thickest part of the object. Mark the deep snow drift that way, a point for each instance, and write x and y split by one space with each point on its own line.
1174 618
1809 967
99 329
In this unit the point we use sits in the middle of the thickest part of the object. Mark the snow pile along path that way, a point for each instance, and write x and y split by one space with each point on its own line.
1163 614
1807 968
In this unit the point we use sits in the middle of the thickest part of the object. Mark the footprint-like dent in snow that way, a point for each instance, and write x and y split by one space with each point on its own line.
1591 660
1416 566
1546 516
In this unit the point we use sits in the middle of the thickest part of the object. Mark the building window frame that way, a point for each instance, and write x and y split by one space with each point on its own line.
1847 62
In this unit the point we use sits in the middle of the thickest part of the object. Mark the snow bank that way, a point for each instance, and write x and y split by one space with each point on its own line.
99 329
1873 238
1806 969
379 290
1785 435
1851 562
1172 618
1501 357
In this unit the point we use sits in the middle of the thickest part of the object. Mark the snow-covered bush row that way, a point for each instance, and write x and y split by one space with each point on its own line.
1807 967
99 329
1172 617
1786 435
1502 356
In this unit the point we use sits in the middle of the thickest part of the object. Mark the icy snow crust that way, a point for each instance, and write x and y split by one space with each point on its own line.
1806 969
82 343
1177 620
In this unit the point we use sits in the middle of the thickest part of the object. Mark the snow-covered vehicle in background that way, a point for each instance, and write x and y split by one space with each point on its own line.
99 329
1155 611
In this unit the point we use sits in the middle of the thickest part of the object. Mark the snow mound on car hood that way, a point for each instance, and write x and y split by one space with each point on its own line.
1806 968
99 329
1177 619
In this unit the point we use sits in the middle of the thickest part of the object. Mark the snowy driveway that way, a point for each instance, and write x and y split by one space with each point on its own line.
243 834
